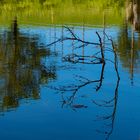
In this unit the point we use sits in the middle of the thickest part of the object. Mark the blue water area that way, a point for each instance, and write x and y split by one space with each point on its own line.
55 91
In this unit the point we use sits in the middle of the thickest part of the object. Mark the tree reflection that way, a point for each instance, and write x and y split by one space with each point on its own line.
128 50
21 68
129 37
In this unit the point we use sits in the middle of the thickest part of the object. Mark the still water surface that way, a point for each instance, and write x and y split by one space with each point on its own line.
37 96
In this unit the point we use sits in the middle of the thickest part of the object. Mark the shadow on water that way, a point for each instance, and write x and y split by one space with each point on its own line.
21 69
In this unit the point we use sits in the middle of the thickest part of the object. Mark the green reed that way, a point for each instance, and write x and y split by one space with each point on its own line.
62 11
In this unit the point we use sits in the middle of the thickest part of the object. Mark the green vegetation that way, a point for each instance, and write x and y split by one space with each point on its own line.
62 11
58 3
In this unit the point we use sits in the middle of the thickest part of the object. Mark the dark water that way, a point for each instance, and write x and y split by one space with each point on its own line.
45 95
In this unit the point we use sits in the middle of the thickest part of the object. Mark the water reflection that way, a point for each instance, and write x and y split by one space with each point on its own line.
70 97
128 48
129 38
22 72
70 92
109 120
21 69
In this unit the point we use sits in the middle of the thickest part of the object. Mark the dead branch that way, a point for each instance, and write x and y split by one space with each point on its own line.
93 59
115 55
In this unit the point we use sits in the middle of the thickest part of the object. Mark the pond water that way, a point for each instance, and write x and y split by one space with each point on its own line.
53 86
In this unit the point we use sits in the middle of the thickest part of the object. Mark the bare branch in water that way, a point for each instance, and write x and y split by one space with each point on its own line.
115 54
74 38
96 58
